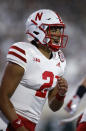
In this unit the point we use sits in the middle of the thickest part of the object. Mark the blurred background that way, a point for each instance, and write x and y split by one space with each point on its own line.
13 15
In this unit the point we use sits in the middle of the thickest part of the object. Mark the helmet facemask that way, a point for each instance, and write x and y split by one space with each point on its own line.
55 39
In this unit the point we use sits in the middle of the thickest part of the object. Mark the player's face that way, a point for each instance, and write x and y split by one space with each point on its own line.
55 34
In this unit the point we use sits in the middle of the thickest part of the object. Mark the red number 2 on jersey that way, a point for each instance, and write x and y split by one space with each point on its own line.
43 89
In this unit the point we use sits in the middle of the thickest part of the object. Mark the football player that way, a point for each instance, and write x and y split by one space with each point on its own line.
72 105
34 72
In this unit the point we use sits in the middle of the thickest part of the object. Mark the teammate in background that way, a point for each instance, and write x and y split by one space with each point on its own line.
72 106
34 72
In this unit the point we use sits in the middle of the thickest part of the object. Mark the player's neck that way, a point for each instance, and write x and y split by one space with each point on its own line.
45 51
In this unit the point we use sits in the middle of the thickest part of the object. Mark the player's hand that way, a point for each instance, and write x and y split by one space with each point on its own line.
62 86
22 129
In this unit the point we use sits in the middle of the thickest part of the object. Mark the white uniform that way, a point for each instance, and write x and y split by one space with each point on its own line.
40 76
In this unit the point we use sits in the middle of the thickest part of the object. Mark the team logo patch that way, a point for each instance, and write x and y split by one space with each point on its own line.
61 56
38 16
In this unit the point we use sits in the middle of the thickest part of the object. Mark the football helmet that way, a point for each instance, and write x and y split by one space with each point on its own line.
41 20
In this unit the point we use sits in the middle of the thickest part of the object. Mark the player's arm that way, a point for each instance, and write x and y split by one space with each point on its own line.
11 78
56 96
74 102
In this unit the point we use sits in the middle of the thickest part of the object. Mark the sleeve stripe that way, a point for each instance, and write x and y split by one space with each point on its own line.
17 55
18 49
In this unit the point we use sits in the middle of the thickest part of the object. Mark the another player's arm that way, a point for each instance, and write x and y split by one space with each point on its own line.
11 78
56 96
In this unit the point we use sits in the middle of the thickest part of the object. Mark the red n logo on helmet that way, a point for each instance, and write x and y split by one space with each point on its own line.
38 16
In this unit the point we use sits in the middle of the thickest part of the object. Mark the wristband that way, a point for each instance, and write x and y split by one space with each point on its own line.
17 123
59 97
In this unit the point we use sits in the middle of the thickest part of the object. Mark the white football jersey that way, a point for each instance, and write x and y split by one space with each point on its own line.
39 78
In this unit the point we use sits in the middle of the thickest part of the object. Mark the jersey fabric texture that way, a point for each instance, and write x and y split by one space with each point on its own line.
39 78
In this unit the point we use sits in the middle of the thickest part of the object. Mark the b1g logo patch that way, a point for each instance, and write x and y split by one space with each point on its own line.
61 56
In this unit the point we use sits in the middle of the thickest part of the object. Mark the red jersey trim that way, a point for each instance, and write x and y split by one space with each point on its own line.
19 49
17 55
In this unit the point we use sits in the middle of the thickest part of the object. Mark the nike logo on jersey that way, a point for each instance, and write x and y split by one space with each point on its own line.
36 59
